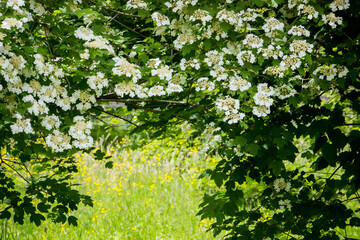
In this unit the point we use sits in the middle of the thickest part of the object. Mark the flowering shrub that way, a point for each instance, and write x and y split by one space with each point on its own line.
260 74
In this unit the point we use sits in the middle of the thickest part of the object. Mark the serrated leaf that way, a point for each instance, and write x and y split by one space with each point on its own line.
72 221
109 164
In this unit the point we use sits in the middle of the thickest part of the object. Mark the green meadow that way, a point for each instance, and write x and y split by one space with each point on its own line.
150 193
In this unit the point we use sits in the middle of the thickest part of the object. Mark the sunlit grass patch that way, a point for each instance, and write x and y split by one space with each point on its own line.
150 193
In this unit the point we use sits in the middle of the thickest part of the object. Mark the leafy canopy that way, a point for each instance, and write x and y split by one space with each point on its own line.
273 87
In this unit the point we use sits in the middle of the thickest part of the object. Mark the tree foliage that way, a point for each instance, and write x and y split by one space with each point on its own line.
272 85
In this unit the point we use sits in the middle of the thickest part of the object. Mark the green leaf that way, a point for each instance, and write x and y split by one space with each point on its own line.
109 164
252 148
330 153
72 221
186 50
5 214
308 59
239 140
43 207
277 167
207 44
218 177
230 208
99 155
37 218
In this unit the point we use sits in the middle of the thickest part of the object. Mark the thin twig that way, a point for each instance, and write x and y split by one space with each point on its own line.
114 115
16 171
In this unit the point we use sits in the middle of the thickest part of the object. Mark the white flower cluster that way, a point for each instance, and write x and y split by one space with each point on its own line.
285 204
290 61
201 15
156 91
249 15
238 83
332 19
203 84
214 58
163 72
330 72
293 3
308 11
230 17
100 43
97 82
37 7
51 122
253 41
219 73
230 106
159 19
179 5
123 67
284 92
280 184
271 52
84 33
299 31
136 4
300 47
193 63
273 24
58 141
83 99
245 56
339 5
81 132
9 23
174 88
38 107
21 125
263 100
183 39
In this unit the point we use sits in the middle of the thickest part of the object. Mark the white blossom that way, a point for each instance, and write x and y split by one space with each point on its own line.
263 99
245 56
273 24
156 91
84 33
299 31
228 105
308 10
81 128
171 88
8 23
201 15
58 141
126 88
50 122
203 84
161 20
21 125
253 41
285 204
237 83
261 111
214 58
280 184
135 4
123 67
332 20
339 5
163 72
234 118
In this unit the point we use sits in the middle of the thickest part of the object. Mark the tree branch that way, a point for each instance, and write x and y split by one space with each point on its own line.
114 115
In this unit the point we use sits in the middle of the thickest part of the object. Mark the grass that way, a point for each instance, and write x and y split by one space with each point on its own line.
150 193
